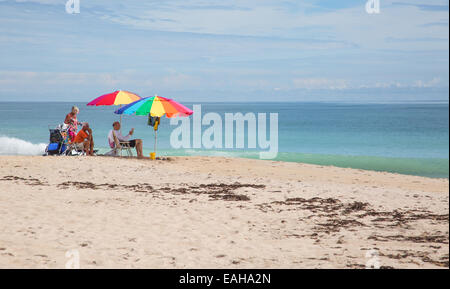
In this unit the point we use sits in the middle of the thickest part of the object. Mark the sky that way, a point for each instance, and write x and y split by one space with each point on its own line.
228 50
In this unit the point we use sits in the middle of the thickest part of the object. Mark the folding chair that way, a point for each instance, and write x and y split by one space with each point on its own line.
119 147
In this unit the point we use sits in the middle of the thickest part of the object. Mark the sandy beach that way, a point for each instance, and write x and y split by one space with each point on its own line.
213 212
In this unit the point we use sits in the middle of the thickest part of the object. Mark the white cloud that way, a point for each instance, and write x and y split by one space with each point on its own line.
426 84
275 19
46 80
319 83
341 84
46 2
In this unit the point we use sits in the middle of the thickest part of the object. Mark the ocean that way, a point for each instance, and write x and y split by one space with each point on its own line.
405 138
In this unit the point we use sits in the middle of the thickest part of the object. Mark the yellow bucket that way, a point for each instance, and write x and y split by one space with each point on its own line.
152 156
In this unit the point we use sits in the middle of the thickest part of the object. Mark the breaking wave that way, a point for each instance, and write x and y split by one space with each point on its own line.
15 146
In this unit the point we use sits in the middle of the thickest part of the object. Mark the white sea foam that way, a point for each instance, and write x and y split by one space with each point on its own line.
15 146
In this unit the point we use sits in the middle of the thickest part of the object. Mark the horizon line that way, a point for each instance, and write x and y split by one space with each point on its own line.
447 101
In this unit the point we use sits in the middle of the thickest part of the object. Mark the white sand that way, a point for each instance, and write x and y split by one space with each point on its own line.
175 224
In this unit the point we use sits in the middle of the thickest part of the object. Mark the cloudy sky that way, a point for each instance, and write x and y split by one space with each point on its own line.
228 50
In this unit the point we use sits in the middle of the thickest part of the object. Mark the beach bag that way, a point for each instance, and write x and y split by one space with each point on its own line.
53 148
55 136
153 121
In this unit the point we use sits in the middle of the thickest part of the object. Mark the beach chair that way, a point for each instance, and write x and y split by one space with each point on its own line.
73 150
57 145
119 147
60 143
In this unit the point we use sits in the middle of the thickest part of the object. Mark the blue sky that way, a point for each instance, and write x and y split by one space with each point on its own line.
247 50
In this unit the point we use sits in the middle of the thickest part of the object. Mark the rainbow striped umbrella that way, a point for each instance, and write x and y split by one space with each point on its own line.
116 98
155 106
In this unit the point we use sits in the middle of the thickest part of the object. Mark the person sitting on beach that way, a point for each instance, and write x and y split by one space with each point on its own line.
72 123
134 143
84 140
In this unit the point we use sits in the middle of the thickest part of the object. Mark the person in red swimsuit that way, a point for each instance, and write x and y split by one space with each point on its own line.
72 122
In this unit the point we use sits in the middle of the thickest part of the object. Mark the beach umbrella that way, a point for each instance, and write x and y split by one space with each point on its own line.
155 106
119 97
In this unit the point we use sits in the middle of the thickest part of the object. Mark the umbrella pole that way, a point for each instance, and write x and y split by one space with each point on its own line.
156 136
120 118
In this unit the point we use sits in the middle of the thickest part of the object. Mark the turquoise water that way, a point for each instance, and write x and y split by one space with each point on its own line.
408 138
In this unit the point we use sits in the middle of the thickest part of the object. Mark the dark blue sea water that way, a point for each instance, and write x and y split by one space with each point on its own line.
408 138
